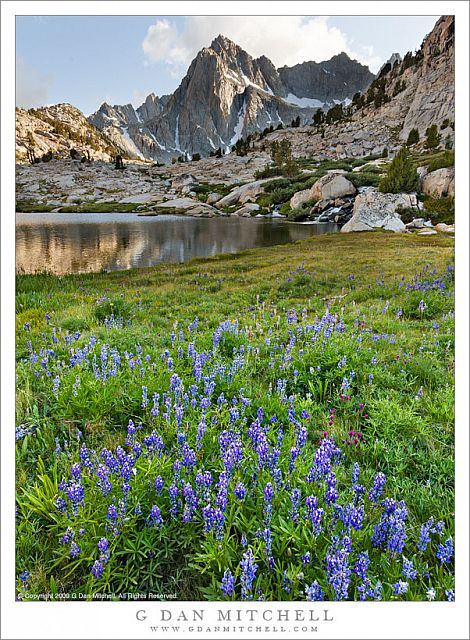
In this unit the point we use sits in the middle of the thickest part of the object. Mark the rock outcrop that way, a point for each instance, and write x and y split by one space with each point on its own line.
374 210
300 198
331 186
439 183
245 193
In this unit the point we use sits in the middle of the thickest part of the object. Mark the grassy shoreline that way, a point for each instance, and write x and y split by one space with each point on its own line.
92 349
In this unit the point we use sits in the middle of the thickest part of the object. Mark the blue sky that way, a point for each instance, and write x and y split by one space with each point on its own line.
86 60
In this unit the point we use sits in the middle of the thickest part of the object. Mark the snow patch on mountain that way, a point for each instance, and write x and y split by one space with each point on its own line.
237 132
131 143
303 102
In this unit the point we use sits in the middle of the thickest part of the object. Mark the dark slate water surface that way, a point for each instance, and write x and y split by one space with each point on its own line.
85 242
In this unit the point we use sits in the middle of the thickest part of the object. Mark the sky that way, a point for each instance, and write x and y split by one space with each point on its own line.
88 60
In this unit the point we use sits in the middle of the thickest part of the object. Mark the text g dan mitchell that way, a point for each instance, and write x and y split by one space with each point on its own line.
236 615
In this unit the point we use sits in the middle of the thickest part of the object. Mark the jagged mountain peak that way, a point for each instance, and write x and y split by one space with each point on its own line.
226 94
341 56
222 42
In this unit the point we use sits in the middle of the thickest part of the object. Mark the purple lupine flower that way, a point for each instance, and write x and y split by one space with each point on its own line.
419 394
377 488
74 550
376 592
338 572
173 493
438 528
390 533
361 565
295 501
155 517
144 397
445 551
331 494
350 515
268 498
294 453
315 515
240 491
55 386
277 475
103 545
24 577
222 486
306 558
112 514
248 574
286 582
400 587
302 437
191 502
355 473
97 569
425 538
219 521
314 592
61 505
68 536
408 569
208 515
450 595
228 584
189 456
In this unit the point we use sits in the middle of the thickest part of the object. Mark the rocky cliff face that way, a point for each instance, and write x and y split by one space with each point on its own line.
225 95
433 99
58 129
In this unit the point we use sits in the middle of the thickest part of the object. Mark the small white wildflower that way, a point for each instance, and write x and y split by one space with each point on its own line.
431 594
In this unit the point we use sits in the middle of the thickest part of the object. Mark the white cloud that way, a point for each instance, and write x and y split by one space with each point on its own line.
285 40
162 43
32 87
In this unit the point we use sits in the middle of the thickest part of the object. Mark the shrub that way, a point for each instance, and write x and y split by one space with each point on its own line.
300 214
413 137
446 160
408 214
372 168
269 171
335 164
440 210
363 179
401 175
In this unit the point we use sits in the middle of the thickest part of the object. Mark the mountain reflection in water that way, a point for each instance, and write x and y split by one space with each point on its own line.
80 243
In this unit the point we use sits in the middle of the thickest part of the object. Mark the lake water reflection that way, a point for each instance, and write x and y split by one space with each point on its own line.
80 243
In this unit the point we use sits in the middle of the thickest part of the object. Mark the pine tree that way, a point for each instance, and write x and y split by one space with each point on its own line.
401 175
432 137
413 137
318 117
